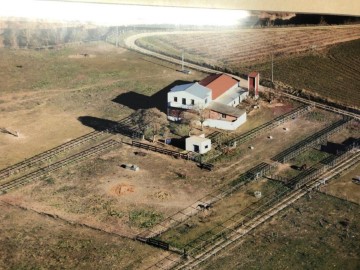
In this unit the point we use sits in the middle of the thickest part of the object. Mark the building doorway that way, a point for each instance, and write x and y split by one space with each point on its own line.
196 148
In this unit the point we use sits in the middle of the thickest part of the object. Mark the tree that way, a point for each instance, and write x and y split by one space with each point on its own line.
189 118
201 114
193 117
151 122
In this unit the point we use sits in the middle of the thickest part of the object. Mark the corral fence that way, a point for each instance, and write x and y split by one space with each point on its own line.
123 127
48 155
188 156
215 136
58 165
154 242
313 140
269 125
220 232
252 174
225 233
314 172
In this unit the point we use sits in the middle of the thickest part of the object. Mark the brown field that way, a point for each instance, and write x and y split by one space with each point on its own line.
302 57
235 48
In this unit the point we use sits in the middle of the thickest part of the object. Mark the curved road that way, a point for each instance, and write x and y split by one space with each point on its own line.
130 43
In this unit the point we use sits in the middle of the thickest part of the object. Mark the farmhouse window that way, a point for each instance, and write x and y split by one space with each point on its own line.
192 102
184 101
175 99
223 115
206 146
205 100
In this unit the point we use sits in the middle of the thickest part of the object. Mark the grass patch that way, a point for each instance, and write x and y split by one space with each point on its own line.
316 116
143 218
309 157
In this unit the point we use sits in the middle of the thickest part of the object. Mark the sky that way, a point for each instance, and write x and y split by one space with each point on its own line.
111 14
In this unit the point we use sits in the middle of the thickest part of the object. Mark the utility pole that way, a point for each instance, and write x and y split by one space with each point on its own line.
272 67
182 60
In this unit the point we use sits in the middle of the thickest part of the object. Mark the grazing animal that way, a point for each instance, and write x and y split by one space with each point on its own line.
303 167
19 66
204 206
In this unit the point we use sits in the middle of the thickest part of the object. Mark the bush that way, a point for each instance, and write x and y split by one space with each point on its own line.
180 129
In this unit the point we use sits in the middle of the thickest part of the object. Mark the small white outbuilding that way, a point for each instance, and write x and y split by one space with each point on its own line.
198 144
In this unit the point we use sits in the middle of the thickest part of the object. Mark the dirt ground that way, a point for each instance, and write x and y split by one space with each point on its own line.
102 193
243 158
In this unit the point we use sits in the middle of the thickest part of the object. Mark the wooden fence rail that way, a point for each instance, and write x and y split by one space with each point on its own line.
160 150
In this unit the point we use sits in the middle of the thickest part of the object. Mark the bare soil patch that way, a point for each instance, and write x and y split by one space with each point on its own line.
121 189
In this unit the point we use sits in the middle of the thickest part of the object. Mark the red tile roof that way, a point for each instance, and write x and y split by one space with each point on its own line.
253 74
218 83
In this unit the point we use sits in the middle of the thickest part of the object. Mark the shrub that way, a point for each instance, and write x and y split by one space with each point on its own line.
180 129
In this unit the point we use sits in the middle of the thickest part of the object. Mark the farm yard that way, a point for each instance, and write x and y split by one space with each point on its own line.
44 99
304 58
79 106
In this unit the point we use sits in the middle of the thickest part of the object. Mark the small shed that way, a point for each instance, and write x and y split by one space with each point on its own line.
253 83
198 144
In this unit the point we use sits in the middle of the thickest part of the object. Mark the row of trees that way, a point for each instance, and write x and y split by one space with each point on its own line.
34 37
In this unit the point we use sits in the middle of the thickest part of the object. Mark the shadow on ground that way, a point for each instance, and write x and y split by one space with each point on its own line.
138 101
97 124
336 148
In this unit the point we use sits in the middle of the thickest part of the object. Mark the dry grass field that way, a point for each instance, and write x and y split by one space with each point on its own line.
32 241
302 57
317 232
344 187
